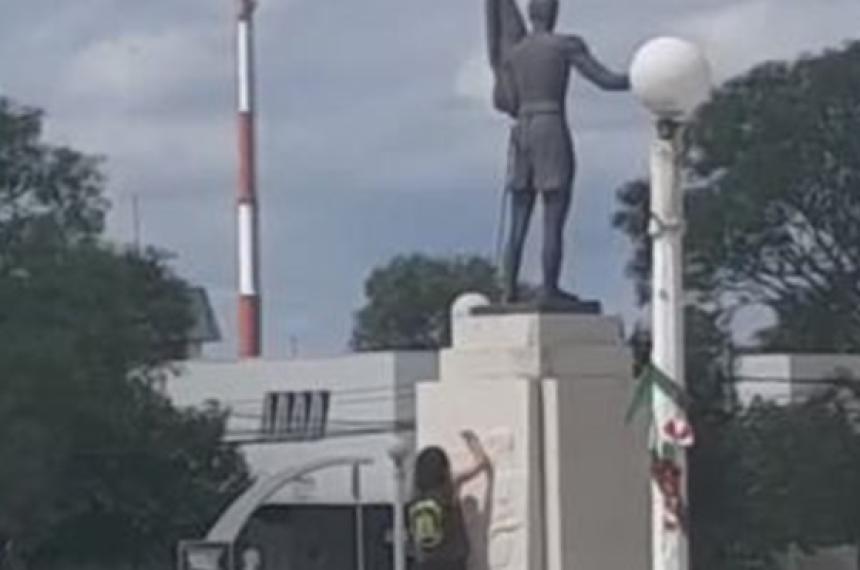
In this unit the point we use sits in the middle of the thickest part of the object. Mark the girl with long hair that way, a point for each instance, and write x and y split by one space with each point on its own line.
436 526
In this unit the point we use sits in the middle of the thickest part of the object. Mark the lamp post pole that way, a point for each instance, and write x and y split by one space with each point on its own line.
398 453
671 77
399 534
359 516
669 539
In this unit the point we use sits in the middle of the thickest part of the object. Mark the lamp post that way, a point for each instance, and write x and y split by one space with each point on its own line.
359 516
671 78
398 453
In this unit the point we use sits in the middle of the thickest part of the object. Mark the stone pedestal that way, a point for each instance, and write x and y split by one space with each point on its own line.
547 394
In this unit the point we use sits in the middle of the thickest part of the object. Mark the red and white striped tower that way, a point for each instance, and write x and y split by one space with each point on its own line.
250 326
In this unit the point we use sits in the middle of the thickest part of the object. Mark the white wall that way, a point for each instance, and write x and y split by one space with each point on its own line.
756 373
367 387
783 378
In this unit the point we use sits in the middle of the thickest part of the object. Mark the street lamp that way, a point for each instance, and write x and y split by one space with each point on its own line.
398 453
671 77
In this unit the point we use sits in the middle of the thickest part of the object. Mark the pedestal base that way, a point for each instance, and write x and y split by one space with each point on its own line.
546 393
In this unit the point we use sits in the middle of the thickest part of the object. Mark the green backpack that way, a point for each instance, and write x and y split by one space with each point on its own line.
427 524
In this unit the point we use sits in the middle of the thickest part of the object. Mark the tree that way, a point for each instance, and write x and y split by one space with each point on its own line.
773 204
409 299
97 468
788 480
632 218
49 195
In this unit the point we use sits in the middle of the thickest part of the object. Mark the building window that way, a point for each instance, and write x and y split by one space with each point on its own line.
296 415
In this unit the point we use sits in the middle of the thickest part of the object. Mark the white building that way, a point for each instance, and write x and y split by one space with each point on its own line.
292 413
785 378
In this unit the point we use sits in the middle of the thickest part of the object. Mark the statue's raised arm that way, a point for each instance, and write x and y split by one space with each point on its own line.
506 27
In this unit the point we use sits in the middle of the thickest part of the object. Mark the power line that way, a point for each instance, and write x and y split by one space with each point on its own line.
404 395
257 437
380 388
825 381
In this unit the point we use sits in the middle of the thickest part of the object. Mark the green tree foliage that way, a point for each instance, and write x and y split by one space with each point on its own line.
787 481
409 299
97 469
773 204
631 218
49 195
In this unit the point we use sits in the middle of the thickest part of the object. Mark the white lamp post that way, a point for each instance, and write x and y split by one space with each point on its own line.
398 453
671 77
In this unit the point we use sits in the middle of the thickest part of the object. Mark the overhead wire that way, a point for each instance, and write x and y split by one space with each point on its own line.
354 393
335 427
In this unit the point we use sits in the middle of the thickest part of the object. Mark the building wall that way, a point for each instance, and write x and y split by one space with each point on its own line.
784 378
368 389
764 376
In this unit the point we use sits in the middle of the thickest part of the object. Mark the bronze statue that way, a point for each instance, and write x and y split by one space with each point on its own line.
532 72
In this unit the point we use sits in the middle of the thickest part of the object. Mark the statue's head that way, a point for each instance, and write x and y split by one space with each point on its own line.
543 14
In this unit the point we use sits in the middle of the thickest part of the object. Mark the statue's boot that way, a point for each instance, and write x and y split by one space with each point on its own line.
556 296
510 297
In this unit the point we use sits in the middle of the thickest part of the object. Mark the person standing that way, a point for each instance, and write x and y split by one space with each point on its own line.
437 530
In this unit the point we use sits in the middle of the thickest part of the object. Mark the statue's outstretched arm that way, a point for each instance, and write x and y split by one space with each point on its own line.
581 58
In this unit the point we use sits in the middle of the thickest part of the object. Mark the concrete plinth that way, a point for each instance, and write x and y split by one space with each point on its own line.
546 393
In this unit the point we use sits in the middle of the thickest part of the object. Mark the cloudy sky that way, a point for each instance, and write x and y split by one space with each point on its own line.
376 136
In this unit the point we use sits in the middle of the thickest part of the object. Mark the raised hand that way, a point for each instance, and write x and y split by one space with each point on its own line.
475 446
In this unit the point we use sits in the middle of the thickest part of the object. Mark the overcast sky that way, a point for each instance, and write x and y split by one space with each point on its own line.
376 136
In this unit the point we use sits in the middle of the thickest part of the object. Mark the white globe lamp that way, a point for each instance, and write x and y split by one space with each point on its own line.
400 449
461 312
466 303
671 77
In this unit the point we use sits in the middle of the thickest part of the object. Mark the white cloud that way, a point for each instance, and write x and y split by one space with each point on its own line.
140 70
474 80
742 34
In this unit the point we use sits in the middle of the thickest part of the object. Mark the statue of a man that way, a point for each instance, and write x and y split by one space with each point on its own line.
532 72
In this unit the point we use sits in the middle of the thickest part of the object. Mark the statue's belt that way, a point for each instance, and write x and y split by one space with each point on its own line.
532 108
